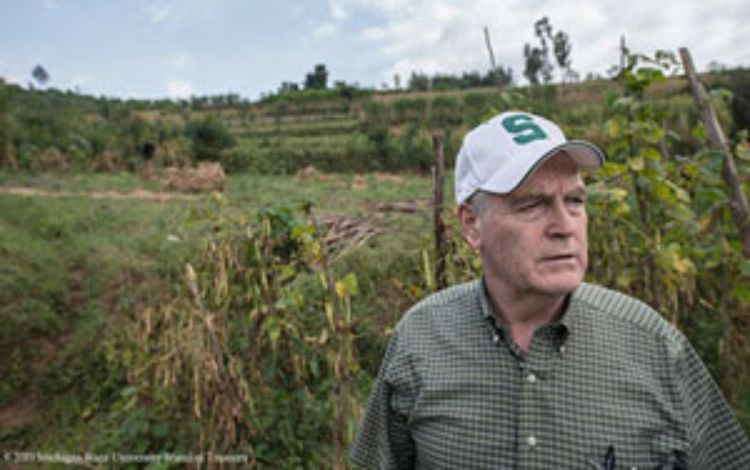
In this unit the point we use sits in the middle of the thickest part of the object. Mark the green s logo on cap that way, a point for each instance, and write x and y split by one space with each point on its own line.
525 128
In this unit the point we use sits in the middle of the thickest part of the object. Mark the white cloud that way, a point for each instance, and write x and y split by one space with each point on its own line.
396 8
179 89
159 12
182 61
711 31
337 15
438 36
324 30
373 33
176 13
338 11
298 8
447 36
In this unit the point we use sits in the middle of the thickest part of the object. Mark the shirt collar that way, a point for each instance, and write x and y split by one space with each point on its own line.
571 316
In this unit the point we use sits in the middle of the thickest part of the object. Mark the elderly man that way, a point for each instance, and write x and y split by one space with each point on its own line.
529 367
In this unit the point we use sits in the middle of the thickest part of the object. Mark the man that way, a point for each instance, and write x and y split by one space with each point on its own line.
529 367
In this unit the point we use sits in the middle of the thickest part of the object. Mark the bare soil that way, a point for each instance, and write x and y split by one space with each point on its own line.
141 194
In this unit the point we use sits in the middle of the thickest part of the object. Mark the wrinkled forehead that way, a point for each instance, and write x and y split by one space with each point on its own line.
557 171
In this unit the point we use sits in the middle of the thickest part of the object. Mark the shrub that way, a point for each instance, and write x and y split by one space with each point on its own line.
209 138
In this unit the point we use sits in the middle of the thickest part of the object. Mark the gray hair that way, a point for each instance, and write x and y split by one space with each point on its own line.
479 201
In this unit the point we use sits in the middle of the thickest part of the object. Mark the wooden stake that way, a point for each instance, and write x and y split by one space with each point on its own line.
489 47
439 182
7 158
341 367
738 202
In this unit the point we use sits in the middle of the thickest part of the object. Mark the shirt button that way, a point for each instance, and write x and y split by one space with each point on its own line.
562 349
531 378
531 441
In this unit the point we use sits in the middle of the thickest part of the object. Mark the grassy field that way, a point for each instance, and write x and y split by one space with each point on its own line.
78 270
72 265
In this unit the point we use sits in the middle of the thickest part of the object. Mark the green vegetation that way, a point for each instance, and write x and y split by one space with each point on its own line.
250 322
75 304
70 265
334 129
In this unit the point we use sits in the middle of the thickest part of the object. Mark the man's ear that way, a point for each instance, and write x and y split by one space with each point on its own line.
469 225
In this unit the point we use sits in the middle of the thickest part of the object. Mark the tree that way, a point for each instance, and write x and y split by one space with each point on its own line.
539 67
534 62
498 76
419 82
287 86
40 75
209 138
317 79
562 48
543 31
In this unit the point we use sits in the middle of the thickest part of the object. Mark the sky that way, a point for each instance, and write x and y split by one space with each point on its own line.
152 49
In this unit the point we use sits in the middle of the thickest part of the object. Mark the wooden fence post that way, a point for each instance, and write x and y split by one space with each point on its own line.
341 343
439 183
738 202
489 48
7 157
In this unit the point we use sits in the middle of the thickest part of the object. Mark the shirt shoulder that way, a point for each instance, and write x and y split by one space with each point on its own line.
628 312
442 306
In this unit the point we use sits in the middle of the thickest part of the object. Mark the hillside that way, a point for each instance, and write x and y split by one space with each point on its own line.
332 130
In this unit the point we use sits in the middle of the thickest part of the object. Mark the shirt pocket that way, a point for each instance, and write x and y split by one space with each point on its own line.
665 453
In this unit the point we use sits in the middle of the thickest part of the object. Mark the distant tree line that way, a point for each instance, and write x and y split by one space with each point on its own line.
317 80
553 51
500 76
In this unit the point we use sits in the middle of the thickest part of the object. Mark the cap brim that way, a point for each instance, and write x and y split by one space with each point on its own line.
585 154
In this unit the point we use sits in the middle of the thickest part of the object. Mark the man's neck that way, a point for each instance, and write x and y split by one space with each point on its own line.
523 313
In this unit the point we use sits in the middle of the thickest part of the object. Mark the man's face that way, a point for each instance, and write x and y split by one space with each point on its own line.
534 240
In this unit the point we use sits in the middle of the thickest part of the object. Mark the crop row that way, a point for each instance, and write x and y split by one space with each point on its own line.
296 129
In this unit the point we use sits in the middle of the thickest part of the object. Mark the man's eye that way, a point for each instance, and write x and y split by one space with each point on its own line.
530 206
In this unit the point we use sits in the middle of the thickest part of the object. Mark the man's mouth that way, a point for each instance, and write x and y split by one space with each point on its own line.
561 257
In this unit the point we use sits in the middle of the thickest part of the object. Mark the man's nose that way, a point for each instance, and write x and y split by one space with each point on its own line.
560 219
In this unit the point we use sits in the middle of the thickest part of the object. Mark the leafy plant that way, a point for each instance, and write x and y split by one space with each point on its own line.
248 329
661 225
209 138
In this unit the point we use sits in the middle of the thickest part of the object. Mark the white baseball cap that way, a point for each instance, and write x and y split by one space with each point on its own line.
499 154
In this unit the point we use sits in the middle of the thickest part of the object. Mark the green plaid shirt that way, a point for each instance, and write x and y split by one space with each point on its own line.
455 392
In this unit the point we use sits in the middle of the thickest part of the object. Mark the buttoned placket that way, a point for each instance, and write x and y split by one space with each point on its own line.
546 349
528 430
